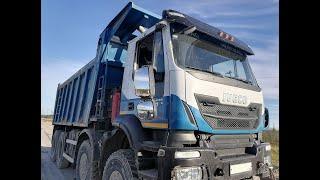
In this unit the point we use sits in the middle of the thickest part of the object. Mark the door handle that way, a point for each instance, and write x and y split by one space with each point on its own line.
130 106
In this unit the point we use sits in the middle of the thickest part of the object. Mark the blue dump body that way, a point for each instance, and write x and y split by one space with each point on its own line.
80 98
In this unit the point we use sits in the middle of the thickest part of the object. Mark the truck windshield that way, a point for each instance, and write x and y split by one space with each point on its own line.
201 55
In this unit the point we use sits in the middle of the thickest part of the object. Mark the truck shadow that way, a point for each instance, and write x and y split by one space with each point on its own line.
49 170
45 149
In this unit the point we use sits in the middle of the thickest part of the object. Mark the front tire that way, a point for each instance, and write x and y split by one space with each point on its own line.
120 165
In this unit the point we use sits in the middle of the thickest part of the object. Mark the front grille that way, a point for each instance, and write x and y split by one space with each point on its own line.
219 123
229 152
221 116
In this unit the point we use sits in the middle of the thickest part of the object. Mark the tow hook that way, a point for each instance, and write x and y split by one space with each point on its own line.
218 172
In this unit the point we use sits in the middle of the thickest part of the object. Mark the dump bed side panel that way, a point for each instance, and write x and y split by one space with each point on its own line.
81 99
73 103
73 95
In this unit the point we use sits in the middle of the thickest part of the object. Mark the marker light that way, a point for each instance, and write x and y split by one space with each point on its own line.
176 14
268 147
186 154
226 36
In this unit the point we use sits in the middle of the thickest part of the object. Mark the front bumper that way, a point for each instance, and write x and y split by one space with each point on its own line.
214 166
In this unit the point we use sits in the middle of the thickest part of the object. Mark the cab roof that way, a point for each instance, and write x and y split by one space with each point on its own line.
133 16
175 16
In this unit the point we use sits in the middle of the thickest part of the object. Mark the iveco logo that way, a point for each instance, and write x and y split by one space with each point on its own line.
234 98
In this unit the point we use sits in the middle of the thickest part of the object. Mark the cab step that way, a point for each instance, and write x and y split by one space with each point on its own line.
148 174
151 146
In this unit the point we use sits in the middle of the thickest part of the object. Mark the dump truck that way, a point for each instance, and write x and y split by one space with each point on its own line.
166 97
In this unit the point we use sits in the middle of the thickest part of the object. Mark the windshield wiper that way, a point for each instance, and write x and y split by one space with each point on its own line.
242 80
204 70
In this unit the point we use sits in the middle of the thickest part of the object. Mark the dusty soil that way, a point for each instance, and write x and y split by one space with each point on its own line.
49 170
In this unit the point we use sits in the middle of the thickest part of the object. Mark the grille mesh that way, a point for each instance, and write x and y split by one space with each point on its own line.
228 111
219 123
221 116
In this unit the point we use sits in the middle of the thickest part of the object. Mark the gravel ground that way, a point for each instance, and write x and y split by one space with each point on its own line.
276 172
49 170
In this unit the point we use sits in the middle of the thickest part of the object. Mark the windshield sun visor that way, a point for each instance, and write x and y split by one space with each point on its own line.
228 43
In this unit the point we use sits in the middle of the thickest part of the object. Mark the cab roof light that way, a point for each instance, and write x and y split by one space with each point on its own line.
176 14
226 36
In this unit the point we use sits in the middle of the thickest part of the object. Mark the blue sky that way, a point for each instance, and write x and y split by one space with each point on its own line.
70 30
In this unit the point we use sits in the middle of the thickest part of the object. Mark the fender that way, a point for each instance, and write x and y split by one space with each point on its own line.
131 126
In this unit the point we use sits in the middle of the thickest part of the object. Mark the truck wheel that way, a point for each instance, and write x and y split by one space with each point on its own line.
53 151
120 166
84 168
61 161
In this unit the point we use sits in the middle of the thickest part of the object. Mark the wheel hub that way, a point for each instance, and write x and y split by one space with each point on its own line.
115 175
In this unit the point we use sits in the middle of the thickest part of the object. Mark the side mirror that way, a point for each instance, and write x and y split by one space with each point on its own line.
144 82
266 117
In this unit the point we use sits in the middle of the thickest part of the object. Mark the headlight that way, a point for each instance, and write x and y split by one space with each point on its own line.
186 154
268 147
187 173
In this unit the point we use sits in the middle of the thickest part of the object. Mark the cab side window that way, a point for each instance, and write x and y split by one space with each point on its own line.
144 53
115 52
150 52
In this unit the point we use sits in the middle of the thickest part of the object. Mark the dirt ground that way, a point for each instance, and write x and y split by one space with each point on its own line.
49 170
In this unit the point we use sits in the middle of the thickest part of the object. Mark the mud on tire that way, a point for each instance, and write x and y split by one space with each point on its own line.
121 163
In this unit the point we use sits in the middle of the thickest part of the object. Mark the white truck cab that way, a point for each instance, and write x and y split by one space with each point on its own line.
180 64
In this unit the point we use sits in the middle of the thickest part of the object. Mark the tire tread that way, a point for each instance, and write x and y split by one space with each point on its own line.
126 155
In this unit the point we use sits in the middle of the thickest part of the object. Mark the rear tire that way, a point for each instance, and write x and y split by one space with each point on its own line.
53 151
121 165
84 164
61 161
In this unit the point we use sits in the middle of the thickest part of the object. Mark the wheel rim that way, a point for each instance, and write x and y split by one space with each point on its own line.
115 175
83 167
